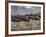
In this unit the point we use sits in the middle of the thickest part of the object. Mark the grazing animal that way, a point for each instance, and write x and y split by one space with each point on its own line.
24 18
15 19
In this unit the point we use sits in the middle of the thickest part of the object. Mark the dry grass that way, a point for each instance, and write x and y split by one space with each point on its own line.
25 25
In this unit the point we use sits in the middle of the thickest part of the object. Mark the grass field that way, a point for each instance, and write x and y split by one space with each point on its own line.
26 25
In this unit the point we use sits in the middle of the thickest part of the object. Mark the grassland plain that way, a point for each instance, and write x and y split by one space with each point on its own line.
26 25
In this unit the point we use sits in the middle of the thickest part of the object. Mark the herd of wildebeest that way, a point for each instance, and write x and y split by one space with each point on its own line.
26 17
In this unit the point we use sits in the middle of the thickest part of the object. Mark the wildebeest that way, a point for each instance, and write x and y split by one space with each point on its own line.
24 18
15 19
19 18
34 17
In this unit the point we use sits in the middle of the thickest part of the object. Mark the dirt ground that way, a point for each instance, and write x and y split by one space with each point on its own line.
26 25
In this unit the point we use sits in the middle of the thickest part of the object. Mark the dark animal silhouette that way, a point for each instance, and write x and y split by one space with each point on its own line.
19 18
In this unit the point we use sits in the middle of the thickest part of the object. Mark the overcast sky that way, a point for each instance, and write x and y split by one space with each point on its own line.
22 10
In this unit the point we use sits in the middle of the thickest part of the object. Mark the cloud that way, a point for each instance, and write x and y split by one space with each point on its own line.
22 10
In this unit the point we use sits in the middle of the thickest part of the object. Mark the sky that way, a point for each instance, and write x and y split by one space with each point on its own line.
22 10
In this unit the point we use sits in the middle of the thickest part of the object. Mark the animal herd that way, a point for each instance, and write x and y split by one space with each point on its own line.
19 18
